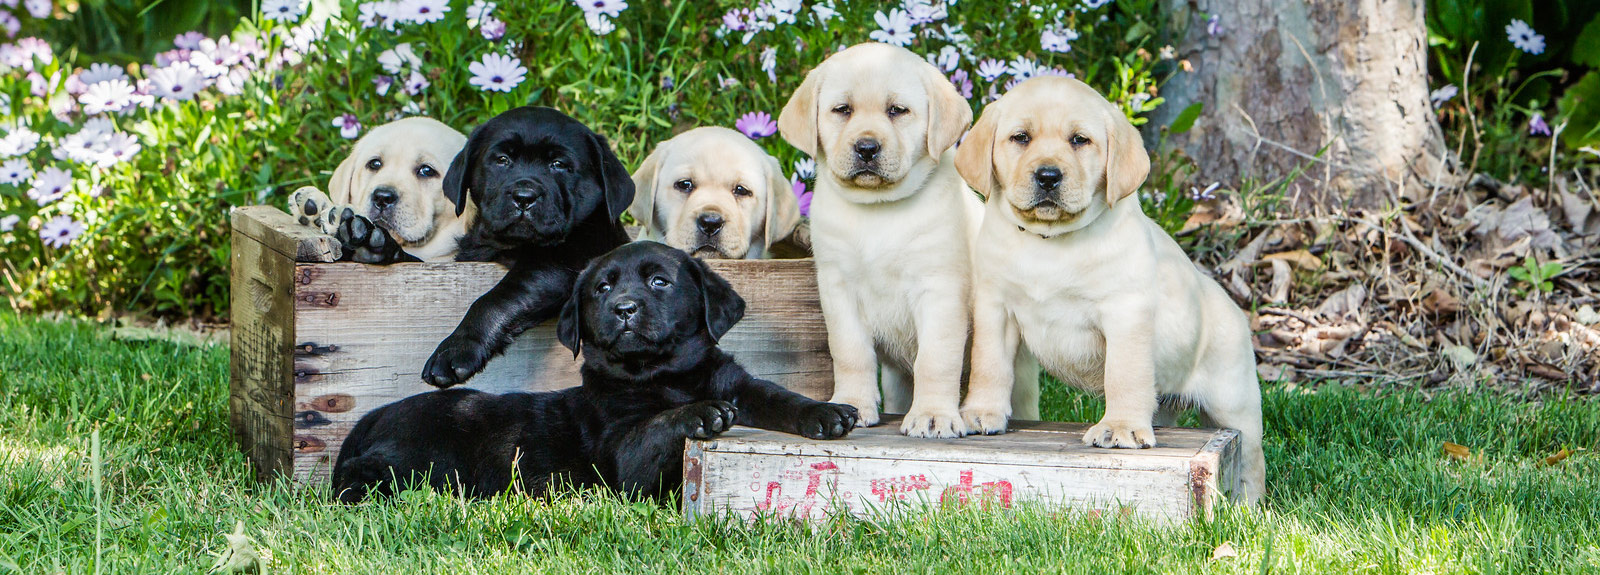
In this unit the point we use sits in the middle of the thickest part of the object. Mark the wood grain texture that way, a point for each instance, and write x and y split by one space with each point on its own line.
261 395
362 334
751 473
279 232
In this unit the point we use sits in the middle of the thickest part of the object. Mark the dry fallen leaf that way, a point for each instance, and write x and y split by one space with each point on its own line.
1457 451
1299 258
1561 455
1281 276
1224 551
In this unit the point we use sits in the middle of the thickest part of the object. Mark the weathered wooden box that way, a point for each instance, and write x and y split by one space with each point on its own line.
316 345
756 474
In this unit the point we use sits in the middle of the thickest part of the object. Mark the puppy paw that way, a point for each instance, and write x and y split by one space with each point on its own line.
455 361
1124 434
866 409
311 207
985 420
827 421
365 242
933 423
706 419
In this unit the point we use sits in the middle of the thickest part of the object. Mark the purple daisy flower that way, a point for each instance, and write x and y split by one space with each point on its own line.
492 28
348 127
1537 126
804 196
756 125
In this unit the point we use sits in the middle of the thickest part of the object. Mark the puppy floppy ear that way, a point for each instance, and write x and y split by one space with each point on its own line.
341 187
948 113
723 306
798 120
644 184
569 327
611 175
458 179
783 209
975 155
1127 164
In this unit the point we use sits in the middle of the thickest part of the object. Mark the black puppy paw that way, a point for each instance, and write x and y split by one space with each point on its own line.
705 419
827 421
455 361
365 242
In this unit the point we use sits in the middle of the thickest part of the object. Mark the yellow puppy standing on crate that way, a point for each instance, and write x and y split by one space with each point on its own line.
394 176
1067 264
891 229
715 194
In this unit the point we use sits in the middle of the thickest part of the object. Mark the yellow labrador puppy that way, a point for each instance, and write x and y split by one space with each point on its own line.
1067 264
891 230
394 176
714 193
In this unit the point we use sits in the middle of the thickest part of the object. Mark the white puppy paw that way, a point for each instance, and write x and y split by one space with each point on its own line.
1124 434
983 419
933 423
311 207
866 409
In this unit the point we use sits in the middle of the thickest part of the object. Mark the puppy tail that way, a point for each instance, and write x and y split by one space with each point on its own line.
356 477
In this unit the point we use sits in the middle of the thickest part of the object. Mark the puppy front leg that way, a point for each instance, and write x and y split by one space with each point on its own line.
766 405
649 457
994 345
942 322
528 294
855 361
1130 385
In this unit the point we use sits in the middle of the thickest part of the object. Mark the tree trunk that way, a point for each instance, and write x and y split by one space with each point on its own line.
1286 81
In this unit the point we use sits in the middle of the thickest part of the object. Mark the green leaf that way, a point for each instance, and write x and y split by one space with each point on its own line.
1185 120
1586 47
1550 270
1519 273
1138 31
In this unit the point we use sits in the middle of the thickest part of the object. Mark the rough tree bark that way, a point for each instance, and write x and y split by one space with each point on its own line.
1346 80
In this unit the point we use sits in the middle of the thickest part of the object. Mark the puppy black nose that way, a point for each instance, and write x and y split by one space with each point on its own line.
625 309
524 198
710 223
867 149
1047 177
384 197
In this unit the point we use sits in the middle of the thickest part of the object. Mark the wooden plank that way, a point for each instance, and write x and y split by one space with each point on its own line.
279 232
751 473
362 334
261 393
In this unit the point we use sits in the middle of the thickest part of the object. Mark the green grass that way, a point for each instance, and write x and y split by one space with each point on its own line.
1358 479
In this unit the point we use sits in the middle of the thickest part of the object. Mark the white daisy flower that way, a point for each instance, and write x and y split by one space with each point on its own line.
50 185
178 82
1442 95
497 72
188 40
824 13
101 72
108 96
991 69
422 11
769 62
15 171
805 168
479 10
1524 38
893 28
611 8
286 11
20 141
1058 40
82 147
598 23
232 83
9 223
1022 68
98 126
60 231
38 8
948 58
416 83
375 14
117 148
1093 4
10 23
399 59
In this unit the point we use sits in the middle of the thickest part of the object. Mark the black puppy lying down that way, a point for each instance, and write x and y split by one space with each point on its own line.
646 318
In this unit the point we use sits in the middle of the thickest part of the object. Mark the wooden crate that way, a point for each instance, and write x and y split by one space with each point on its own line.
752 473
316 345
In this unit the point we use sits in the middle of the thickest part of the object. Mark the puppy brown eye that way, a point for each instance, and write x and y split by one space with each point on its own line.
603 287
742 192
684 185
1021 138
558 164
659 282
426 171
502 160
1078 141
842 109
374 164
897 110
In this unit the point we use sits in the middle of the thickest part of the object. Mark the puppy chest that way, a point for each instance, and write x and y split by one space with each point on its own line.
1065 335
751 474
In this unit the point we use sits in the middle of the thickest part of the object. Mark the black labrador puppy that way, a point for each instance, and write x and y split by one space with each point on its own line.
646 318
548 192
